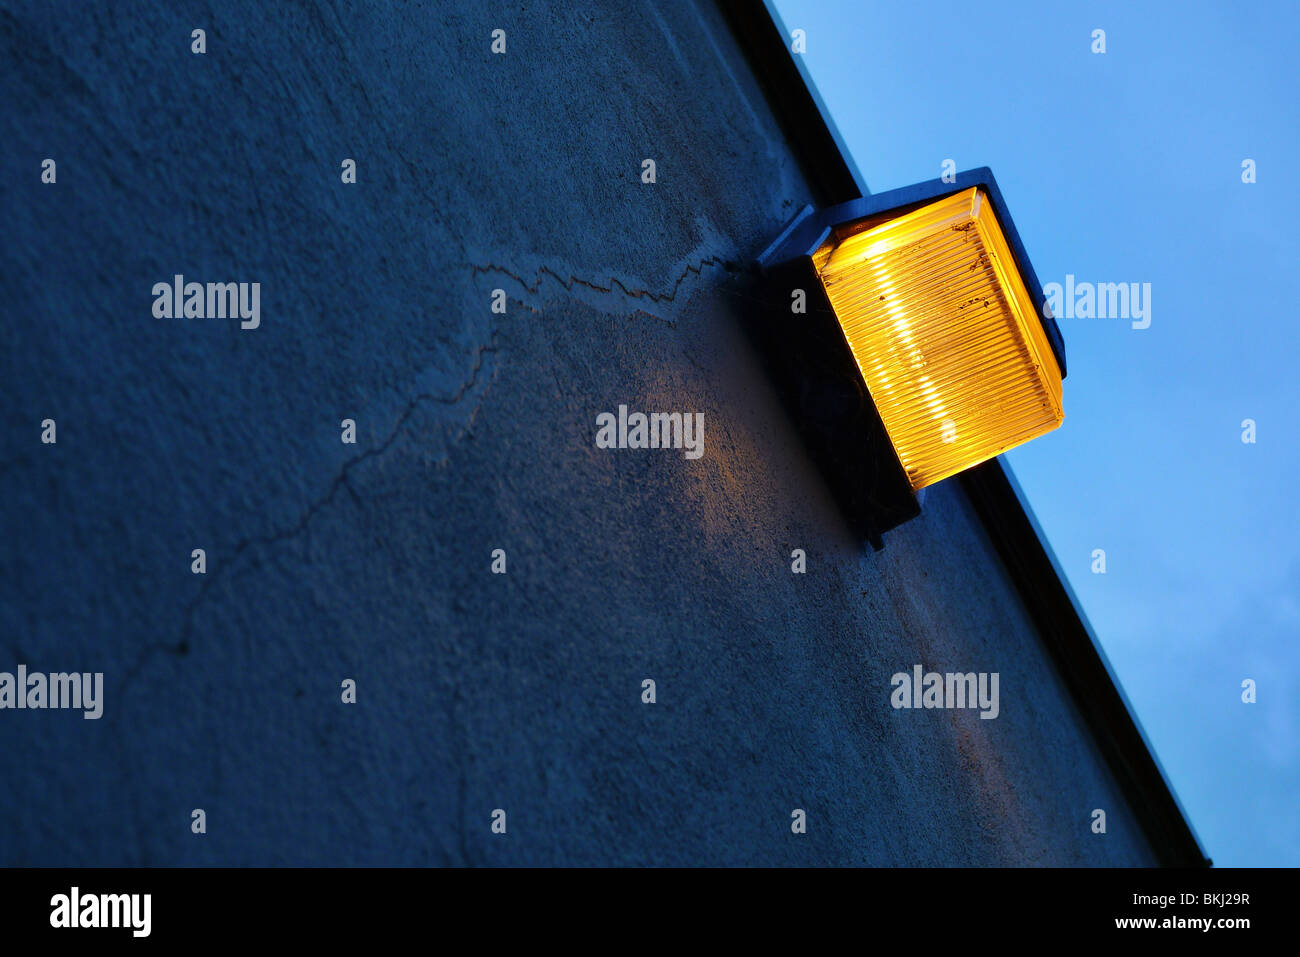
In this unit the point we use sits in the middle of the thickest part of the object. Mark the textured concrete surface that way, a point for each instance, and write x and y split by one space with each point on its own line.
475 431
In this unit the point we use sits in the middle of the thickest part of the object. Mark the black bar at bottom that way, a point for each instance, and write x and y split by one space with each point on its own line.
334 907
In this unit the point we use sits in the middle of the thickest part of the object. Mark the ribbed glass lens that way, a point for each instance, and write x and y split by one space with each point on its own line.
949 343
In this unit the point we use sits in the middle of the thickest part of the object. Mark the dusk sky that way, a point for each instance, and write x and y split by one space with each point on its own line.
1126 166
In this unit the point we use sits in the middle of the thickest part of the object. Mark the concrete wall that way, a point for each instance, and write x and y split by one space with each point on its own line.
475 431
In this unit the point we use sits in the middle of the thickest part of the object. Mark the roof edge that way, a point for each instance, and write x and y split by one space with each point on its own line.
793 98
997 500
1083 666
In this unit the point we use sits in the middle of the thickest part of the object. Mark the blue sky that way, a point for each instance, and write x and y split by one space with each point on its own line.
1126 167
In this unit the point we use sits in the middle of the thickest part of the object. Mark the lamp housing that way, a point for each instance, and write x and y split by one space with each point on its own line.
924 346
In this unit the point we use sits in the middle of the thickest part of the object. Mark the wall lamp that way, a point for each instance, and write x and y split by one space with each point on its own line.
911 341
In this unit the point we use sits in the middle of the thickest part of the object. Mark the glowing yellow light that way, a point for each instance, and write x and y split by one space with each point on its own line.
944 331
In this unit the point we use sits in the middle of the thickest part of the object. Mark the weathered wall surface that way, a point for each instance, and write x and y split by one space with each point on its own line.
475 432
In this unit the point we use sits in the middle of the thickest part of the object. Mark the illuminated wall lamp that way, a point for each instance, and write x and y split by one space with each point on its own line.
924 346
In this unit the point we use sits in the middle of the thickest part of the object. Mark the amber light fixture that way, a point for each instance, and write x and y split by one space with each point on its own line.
910 337
944 332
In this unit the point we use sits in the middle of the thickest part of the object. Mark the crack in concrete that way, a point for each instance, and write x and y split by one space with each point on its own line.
182 647
616 285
